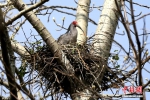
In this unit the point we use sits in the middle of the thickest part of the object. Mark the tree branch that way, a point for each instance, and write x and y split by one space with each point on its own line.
25 11
6 54
46 36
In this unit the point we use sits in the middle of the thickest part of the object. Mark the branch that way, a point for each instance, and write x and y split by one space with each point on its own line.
138 57
23 85
54 8
4 83
138 4
25 11
46 36
20 50
146 60
127 27
139 18
6 55
146 84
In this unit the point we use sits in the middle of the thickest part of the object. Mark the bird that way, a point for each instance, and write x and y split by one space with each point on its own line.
70 37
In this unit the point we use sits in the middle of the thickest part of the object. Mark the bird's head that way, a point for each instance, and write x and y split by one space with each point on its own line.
75 23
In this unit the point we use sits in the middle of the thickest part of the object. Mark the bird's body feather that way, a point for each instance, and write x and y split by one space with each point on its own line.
70 37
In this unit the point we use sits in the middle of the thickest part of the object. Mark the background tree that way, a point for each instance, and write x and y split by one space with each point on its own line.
41 68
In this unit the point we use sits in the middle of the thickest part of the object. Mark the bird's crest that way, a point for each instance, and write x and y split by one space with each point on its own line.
74 22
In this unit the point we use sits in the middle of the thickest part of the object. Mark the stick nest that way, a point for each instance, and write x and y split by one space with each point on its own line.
88 70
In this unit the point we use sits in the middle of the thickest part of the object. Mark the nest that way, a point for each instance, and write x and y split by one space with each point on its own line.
87 70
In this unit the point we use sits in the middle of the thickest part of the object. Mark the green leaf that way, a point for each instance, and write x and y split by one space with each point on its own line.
115 50
116 57
22 71
117 66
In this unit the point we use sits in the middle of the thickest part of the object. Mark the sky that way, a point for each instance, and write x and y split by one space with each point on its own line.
95 14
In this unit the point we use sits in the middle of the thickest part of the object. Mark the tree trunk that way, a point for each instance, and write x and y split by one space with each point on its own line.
106 29
102 41
82 18
105 32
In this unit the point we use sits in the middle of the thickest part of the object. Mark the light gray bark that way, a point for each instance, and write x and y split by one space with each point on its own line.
106 28
82 18
20 49
105 31
102 41
20 97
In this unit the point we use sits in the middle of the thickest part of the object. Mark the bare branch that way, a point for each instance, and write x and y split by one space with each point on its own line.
25 11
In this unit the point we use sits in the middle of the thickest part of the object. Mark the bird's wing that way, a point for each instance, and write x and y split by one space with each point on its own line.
63 39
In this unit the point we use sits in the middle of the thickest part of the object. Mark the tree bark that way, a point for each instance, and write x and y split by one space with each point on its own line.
20 50
105 31
7 55
102 41
82 18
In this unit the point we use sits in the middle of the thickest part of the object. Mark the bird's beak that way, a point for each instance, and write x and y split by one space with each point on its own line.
79 27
